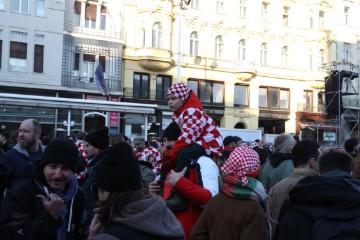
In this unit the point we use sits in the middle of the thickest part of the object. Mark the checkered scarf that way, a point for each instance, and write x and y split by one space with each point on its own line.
232 185
242 162
179 90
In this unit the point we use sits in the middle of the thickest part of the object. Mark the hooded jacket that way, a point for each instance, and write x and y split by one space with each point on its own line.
335 195
23 215
145 219
278 167
196 127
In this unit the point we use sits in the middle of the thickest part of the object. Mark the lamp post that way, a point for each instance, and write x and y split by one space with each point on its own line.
182 5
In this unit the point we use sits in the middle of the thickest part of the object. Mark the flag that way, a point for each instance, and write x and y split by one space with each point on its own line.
100 81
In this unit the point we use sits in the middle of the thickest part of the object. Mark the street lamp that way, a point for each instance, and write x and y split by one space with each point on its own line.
66 124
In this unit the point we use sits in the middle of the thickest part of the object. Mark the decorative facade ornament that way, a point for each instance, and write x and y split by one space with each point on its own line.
287 40
220 28
196 24
266 36
243 32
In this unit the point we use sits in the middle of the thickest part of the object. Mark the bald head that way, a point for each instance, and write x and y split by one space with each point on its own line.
29 134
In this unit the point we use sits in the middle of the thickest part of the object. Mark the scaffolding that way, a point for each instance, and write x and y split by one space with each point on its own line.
342 103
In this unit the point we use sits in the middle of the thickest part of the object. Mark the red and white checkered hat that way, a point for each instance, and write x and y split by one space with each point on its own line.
243 161
179 90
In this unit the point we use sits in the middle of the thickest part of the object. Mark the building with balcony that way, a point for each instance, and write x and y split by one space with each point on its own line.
258 64
49 51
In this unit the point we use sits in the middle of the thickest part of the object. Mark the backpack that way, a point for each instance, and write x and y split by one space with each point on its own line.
341 227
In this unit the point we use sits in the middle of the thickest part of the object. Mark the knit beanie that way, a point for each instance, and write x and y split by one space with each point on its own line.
99 138
172 132
61 151
243 161
119 170
179 90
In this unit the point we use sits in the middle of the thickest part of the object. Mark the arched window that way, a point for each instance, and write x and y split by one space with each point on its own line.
241 50
219 45
157 35
194 44
263 54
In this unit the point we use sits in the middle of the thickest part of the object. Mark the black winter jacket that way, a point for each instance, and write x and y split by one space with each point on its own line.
332 196
23 216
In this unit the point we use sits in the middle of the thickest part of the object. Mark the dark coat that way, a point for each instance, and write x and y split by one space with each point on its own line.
16 160
24 217
315 197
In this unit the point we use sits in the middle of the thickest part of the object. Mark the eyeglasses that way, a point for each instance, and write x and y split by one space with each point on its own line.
94 188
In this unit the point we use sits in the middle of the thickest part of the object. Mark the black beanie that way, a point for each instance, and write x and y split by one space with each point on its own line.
172 132
61 151
119 170
99 138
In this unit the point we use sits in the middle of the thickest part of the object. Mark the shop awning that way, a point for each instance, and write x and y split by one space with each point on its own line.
70 103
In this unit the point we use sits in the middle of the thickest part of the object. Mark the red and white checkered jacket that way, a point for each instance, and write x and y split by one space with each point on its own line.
196 127
81 147
148 152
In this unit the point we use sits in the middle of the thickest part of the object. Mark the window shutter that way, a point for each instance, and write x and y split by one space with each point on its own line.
103 9
90 12
77 7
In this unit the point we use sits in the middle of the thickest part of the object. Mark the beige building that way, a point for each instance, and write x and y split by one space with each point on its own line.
261 64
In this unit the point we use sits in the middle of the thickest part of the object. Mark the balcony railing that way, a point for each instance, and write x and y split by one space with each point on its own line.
113 85
320 108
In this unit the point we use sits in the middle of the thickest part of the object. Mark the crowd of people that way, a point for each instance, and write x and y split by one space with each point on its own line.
194 184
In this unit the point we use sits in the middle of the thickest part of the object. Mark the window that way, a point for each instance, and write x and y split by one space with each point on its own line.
263 54
218 47
20 6
193 85
39 58
77 12
2 4
284 56
308 100
241 95
242 9
220 6
311 19
141 85
210 91
311 64
90 15
271 97
321 57
0 52
77 61
241 50
264 12
194 44
157 35
194 4
347 51
103 13
163 83
18 35
346 15
286 17
88 68
18 53
321 19
39 38
40 8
